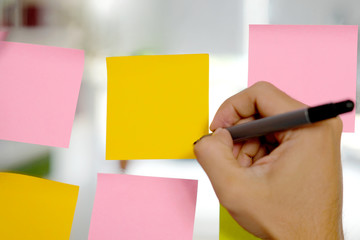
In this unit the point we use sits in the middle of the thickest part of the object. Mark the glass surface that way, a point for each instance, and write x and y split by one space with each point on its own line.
128 27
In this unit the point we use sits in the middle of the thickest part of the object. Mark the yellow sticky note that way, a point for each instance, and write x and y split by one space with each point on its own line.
157 106
35 209
230 229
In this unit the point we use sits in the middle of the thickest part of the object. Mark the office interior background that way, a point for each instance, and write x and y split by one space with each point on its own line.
138 27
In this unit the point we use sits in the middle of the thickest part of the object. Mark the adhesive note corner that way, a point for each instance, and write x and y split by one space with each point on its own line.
315 64
35 209
157 106
138 207
230 229
39 88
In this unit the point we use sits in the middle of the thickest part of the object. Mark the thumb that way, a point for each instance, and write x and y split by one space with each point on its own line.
215 155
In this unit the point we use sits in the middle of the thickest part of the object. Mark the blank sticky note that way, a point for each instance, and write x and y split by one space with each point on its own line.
230 229
138 207
35 209
314 64
157 106
39 88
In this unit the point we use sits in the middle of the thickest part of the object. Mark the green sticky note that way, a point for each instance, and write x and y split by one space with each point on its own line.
230 229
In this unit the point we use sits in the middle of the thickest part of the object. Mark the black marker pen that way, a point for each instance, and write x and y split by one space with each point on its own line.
288 120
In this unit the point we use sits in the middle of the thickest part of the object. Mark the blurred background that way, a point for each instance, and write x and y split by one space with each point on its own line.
135 27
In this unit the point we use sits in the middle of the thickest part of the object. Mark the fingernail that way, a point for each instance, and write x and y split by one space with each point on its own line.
218 130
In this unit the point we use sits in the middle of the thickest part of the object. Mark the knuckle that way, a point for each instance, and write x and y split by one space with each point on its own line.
228 102
263 85
332 126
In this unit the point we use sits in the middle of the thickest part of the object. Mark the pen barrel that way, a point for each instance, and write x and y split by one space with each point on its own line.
268 125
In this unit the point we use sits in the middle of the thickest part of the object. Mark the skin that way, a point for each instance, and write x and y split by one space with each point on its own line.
287 185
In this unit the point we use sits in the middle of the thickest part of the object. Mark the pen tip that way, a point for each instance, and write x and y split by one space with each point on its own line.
201 138
345 106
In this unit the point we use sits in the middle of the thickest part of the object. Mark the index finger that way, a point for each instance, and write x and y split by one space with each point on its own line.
262 98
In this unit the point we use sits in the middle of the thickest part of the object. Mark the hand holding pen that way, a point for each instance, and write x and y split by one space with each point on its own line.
284 185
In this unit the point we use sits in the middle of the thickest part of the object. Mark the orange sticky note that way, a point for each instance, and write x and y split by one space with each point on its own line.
313 63
157 106
35 209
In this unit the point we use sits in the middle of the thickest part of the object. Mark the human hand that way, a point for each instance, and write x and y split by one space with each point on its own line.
287 185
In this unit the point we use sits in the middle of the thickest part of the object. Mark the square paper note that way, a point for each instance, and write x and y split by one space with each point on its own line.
157 106
35 209
230 229
137 207
39 88
314 64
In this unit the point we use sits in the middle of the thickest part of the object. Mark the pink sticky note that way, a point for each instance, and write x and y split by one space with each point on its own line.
314 64
3 34
39 88
137 207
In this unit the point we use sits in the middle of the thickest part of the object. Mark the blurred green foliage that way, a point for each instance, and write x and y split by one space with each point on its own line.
37 167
